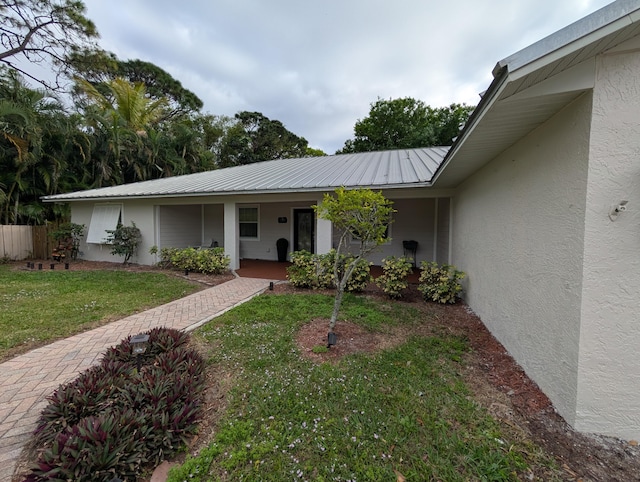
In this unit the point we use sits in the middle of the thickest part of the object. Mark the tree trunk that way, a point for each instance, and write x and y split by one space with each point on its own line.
336 307
340 287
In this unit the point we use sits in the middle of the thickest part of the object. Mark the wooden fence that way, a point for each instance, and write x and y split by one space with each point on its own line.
26 242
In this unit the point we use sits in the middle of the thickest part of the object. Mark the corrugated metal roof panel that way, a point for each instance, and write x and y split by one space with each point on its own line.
367 169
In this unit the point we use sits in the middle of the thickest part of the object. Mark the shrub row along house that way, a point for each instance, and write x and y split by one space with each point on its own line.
538 201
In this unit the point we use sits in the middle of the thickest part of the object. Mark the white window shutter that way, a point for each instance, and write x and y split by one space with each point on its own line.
105 217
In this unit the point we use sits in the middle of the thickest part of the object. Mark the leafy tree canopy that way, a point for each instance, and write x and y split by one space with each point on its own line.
44 32
100 68
407 123
256 138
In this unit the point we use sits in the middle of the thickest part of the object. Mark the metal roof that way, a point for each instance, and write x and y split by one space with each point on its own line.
379 170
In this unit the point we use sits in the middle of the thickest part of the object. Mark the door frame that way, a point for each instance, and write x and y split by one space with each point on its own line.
297 211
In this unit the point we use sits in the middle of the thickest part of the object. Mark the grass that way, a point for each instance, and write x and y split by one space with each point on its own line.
404 412
40 306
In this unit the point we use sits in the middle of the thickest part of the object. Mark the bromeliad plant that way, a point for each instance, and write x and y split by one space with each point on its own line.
115 420
440 283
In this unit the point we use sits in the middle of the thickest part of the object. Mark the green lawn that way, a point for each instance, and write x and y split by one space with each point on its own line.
404 412
40 306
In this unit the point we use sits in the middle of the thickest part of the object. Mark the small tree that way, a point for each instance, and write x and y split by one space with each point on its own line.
359 215
67 238
124 241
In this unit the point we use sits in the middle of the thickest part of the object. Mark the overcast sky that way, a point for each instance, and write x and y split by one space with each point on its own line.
317 65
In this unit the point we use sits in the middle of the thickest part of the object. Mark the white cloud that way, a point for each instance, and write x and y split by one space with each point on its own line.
318 65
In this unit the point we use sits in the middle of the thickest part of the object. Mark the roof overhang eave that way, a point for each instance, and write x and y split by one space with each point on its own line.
53 199
501 74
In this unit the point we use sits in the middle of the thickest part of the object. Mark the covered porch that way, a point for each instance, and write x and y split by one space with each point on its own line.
253 231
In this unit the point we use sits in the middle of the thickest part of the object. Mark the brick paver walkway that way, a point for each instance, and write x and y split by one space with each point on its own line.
26 380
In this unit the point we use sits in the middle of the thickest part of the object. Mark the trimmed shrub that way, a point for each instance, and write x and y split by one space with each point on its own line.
124 241
207 261
302 273
394 278
316 271
116 420
439 283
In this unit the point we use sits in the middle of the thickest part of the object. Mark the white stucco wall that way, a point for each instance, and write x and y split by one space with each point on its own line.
422 220
609 367
270 230
140 212
518 227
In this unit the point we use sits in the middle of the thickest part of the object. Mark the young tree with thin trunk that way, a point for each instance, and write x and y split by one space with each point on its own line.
361 216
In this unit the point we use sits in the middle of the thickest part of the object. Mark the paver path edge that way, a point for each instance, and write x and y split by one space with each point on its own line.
26 380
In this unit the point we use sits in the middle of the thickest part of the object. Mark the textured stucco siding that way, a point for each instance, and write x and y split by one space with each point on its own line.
518 227
423 220
609 368
179 226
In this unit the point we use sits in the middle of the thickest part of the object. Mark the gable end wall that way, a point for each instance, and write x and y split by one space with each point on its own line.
518 227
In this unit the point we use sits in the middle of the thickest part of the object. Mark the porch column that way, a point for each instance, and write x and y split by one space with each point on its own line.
231 235
324 235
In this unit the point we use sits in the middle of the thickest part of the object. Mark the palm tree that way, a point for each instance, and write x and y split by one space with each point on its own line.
121 112
38 150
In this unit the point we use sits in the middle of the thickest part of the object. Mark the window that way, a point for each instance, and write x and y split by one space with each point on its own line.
248 218
105 218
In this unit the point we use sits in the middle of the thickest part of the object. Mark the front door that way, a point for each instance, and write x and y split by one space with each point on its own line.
303 230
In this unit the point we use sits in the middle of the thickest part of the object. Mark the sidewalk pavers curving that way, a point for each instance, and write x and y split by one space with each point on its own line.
26 380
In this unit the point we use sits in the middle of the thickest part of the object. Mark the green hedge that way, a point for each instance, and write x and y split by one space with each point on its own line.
394 278
315 271
207 261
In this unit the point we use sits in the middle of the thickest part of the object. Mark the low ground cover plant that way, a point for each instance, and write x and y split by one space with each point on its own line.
114 420
207 261
440 283
403 413
41 306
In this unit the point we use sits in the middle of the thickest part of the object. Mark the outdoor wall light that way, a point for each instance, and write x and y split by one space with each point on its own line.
138 347
331 339
139 343
617 209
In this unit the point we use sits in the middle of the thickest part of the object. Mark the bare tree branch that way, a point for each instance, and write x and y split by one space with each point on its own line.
44 32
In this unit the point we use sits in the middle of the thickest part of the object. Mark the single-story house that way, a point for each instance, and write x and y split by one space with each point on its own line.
538 201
